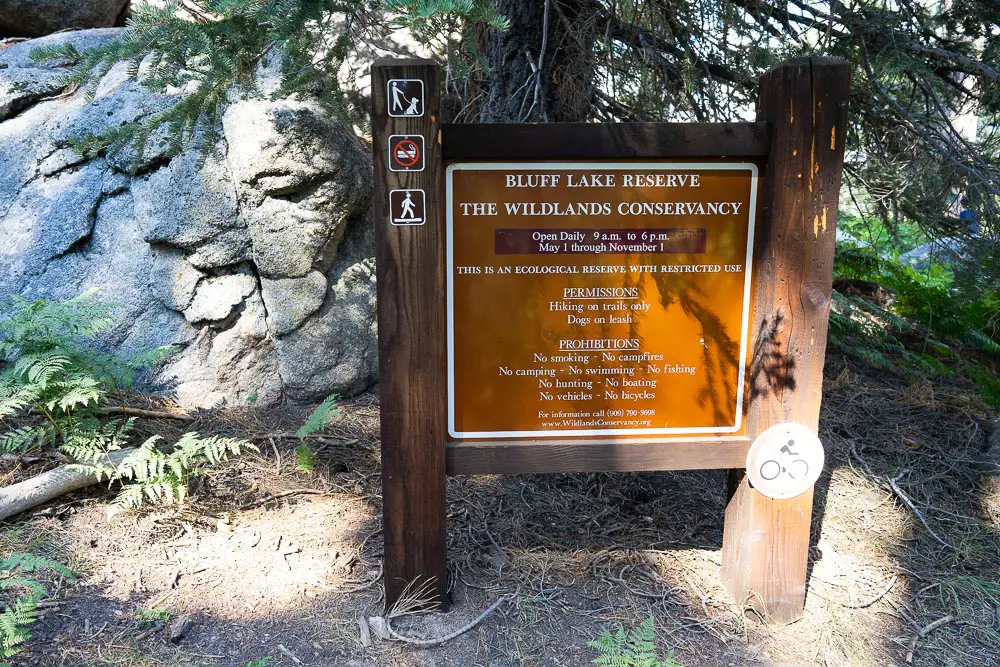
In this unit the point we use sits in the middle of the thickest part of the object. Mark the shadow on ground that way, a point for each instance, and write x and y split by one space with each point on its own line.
289 574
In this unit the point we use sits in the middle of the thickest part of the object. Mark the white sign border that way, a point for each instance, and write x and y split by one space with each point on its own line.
605 166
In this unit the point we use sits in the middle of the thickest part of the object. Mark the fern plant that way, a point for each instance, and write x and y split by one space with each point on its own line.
318 419
18 615
635 648
15 620
54 369
305 460
52 366
149 474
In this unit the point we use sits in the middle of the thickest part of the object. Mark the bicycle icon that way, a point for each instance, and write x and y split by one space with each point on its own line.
797 469
785 460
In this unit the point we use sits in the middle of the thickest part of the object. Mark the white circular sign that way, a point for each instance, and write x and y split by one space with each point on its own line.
785 460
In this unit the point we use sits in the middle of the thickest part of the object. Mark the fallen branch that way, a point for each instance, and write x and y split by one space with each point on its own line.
22 496
157 626
281 435
143 412
899 494
875 599
927 629
438 640
291 656
909 503
283 494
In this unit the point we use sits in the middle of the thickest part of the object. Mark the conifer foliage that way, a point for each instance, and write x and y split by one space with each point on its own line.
207 51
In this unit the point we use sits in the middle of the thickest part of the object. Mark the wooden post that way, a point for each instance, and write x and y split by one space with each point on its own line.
766 542
411 337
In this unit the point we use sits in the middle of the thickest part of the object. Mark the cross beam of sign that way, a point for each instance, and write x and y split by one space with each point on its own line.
406 152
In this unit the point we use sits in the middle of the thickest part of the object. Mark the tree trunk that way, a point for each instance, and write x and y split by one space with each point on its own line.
514 89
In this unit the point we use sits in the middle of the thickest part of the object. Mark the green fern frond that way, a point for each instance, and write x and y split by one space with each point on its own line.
15 396
984 341
32 326
14 623
41 367
144 463
17 618
26 439
320 417
611 648
151 475
22 562
305 460
130 497
77 390
90 441
32 585
636 648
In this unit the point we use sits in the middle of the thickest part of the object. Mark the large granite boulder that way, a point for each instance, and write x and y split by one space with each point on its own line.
256 262
35 18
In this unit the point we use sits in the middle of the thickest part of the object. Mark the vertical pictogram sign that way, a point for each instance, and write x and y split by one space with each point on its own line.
406 152
405 97
409 175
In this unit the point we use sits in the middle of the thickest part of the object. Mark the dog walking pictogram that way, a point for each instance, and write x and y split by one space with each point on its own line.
406 152
406 98
406 207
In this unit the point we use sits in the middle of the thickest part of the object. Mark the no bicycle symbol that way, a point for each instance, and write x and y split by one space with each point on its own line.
406 152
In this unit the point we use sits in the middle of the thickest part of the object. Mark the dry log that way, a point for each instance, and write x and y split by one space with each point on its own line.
22 496
143 412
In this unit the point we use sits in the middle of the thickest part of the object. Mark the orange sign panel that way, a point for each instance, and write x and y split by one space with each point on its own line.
607 299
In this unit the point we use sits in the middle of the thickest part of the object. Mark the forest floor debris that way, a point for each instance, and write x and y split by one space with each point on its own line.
269 561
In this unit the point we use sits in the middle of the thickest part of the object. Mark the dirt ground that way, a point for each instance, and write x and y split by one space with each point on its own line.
271 562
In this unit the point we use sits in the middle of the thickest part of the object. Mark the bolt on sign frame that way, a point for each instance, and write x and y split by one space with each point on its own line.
796 143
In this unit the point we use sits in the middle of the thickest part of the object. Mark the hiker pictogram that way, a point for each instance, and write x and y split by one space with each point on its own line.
406 152
406 207
406 98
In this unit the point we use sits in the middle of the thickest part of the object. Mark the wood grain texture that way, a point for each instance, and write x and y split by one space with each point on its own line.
591 141
766 541
535 456
411 301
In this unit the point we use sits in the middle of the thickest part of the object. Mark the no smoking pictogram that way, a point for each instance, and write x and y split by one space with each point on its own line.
406 152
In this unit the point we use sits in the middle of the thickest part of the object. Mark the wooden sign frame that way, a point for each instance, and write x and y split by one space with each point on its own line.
798 139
